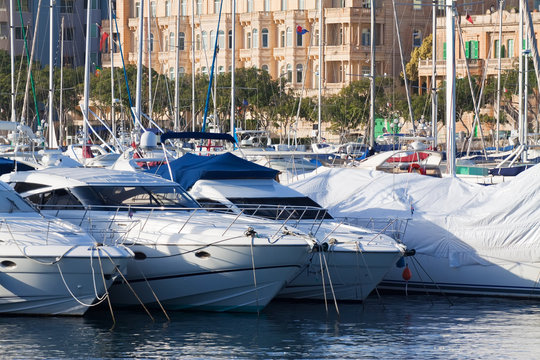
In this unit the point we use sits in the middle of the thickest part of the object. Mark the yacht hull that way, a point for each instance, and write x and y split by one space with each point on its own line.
56 280
434 275
213 278
351 275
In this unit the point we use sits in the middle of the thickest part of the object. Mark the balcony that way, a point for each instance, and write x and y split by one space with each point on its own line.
476 67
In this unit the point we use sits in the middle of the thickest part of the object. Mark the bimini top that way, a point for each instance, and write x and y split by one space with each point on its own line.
189 168
71 177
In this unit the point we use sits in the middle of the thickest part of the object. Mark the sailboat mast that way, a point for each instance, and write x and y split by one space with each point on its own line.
12 58
176 65
434 75
51 69
372 79
192 65
499 61
139 65
450 90
149 47
60 109
520 79
86 74
319 95
233 66
111 42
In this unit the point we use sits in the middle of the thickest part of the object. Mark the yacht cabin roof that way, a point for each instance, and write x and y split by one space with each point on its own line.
71 177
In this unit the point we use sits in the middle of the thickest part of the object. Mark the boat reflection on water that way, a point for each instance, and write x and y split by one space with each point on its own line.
393 327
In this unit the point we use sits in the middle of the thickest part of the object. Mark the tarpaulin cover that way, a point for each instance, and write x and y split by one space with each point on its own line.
189 168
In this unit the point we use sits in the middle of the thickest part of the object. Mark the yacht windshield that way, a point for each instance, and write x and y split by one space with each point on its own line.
10 202
134 196
282 208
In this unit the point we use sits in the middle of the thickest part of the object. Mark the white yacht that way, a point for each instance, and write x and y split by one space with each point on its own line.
185 257
350 261
48 267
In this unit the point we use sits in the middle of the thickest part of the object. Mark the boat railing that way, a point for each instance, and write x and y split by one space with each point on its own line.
393 227
290 215
26 232
115 227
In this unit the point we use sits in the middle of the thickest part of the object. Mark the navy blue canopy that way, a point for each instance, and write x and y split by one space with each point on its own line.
189 168
8 165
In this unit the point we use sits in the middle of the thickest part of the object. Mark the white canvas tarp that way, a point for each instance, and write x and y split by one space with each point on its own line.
449 218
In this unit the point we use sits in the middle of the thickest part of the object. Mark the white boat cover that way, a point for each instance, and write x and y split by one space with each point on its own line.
449 218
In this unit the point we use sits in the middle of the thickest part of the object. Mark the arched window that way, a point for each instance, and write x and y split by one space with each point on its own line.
289 72
264 34
289 37
204 40
153 8
171 73
283 5
221 70
301 5
166 41
265 68
181 41
299 73
198 42
230 39
181 71
282 39
199 7
255 38
366 40
167 8
221 39
248 40
171 41
298 39
249 5
204 70
151 43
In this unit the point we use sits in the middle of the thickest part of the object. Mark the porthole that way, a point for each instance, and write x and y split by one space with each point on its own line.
140 255
202 254
7 264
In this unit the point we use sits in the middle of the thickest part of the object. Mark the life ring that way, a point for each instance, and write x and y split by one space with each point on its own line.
416 168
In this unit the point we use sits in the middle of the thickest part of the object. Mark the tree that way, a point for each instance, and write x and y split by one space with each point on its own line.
419 53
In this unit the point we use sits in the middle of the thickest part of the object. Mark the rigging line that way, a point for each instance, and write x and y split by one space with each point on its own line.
330 283
323 284
133 291
212 69
106 288
125 72
154 295
430 278
254 272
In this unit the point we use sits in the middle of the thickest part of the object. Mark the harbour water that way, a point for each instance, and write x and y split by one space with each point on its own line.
393 327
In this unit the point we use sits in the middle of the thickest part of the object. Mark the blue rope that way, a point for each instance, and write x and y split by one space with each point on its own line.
124 68
212 69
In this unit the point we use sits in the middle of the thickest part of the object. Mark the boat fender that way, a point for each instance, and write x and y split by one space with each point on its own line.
416 168
401 262
406 275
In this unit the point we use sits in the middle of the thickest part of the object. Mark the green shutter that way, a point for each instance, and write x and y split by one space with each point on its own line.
475 50
444 51
467 49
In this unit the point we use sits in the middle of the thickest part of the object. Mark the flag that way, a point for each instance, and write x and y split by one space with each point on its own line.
104 37
468 18
301 30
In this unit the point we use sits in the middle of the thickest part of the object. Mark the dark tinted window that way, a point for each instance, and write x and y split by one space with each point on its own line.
282 208
59 199
22 187
133 196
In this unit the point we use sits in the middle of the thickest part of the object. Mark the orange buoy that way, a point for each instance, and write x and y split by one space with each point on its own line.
406 273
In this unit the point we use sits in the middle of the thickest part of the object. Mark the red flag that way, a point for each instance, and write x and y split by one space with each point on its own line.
468 18
104 37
